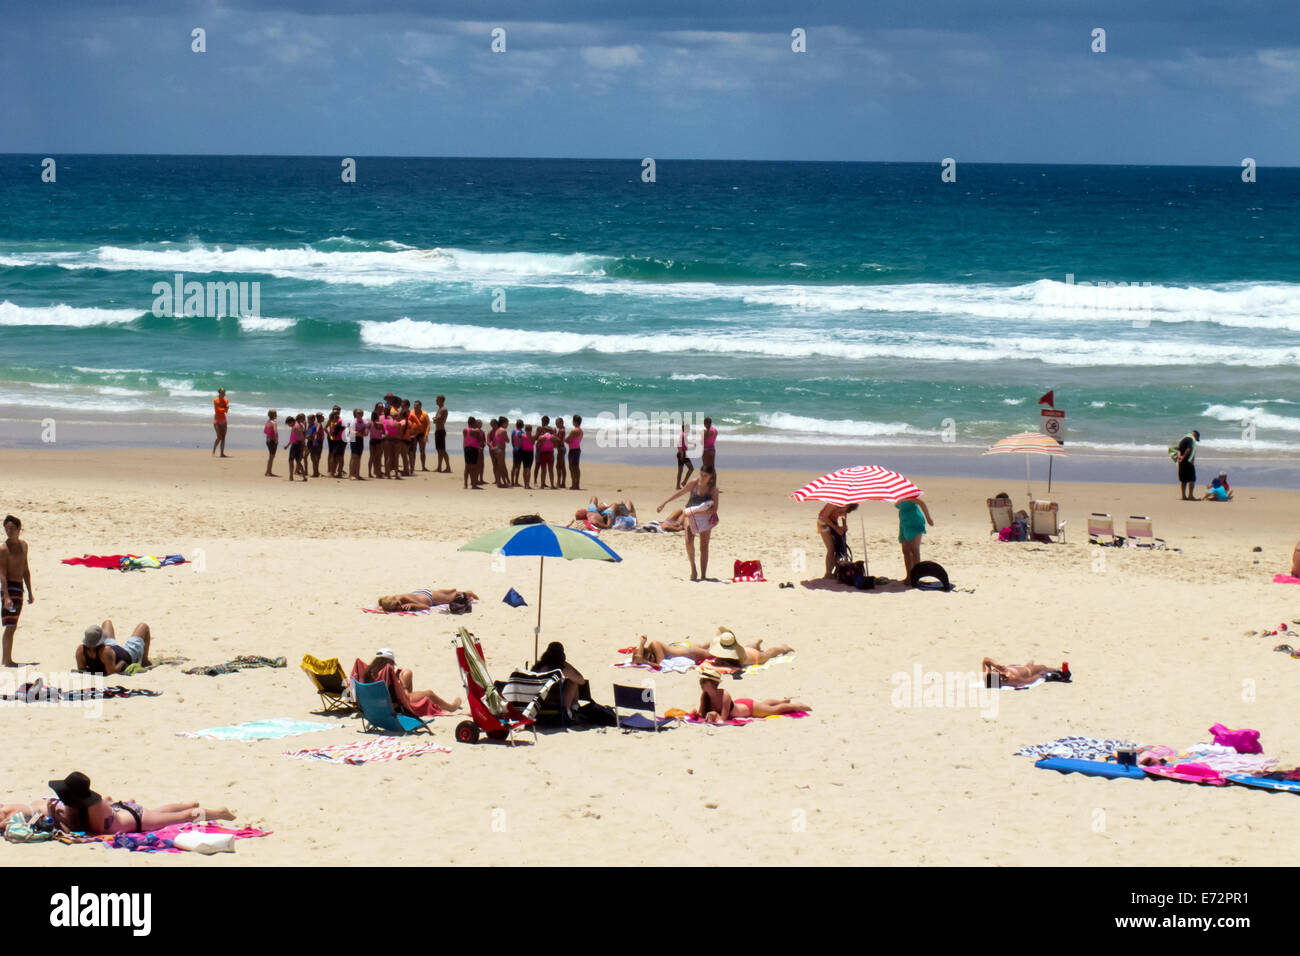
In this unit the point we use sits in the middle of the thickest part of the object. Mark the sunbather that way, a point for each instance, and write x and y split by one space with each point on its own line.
77 808
655 653
726 648
596 514
1018 675
99 652
718 706
385 657
422 599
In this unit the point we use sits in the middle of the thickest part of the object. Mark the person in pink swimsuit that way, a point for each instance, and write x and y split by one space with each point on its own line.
710 438
526 452
469 439
272 433
546 457
392 443
683 459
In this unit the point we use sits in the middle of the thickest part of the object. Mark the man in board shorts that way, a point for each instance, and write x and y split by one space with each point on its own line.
440 436
14 573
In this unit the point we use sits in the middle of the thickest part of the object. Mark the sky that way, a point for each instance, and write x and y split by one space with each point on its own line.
1181 82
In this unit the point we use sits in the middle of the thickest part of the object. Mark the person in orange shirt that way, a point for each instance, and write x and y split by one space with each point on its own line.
422 433
220 406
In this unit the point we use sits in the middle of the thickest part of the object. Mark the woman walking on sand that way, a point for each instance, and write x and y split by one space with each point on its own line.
913 516
701 513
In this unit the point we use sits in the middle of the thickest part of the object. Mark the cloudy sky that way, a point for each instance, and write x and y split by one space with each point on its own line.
1181 81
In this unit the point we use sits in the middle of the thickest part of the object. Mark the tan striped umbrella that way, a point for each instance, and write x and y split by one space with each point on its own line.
1027 443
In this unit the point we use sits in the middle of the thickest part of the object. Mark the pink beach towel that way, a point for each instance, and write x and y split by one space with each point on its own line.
1285 579
1189 773
741 721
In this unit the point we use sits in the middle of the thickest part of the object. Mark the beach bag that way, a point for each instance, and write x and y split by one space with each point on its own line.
1019 531
747 571
514 598
851 573
527 519
1173 453
460 604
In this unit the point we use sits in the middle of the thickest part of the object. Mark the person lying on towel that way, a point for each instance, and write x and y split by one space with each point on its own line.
422 599
1019 675
100 653
78 809
718 706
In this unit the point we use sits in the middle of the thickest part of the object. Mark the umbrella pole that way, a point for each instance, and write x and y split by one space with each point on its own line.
538 629
862 523
1028 487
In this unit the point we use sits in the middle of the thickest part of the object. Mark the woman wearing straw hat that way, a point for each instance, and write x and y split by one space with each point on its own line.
718 706
726 648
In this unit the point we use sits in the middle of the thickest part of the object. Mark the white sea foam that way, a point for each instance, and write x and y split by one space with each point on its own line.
407 333
256 323
64 315
1262 420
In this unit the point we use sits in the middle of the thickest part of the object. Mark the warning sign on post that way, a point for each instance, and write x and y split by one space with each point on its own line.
1054 424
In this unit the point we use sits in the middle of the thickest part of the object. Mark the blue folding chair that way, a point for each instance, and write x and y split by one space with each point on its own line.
377 711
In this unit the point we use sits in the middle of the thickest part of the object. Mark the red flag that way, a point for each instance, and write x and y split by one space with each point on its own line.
1048 399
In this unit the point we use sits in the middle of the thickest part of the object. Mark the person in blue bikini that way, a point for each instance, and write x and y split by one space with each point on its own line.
913 516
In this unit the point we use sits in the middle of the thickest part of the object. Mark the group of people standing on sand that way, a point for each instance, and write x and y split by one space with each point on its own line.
546 455
397 429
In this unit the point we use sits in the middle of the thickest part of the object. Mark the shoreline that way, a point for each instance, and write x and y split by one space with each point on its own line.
937 459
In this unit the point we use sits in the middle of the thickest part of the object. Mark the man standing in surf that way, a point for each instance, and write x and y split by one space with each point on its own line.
14 573
440 436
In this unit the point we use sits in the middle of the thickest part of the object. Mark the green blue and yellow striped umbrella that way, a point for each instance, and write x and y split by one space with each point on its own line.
542 541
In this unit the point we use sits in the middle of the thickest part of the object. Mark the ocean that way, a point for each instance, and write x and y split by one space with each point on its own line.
850 304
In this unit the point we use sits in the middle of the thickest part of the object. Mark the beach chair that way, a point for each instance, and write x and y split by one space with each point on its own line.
377 712
1139 531
1043 520
330 682
492 713
1103 526
1001 513
539 694
635 698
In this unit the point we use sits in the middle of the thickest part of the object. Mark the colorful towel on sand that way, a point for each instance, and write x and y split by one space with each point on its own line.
378 750
126 562
1075 748
1285 579
238 664
162 841
741 721
272 729
37 693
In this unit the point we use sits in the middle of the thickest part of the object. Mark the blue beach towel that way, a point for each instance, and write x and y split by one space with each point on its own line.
272 729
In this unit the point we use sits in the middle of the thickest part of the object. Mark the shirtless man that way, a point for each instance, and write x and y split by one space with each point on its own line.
440 435
14 573
422 599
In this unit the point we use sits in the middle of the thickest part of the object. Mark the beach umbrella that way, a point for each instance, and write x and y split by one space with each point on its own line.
542 541
1027 443
857 484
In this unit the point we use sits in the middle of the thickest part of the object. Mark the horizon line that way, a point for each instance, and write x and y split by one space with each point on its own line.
629 159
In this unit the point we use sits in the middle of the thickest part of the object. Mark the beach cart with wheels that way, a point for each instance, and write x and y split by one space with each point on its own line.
493 713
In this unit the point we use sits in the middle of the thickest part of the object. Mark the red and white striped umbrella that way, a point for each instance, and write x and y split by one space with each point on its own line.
859 483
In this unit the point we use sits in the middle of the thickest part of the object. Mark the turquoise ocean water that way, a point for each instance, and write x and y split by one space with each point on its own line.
831 303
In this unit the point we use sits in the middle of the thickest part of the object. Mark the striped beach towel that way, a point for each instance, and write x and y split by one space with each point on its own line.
379 750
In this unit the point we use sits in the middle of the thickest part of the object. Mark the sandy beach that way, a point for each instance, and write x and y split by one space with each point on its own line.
1155 640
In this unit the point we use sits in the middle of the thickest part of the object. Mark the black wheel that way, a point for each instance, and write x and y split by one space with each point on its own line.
467 732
